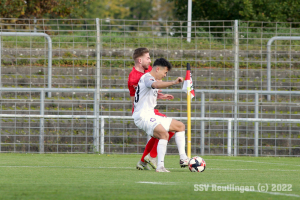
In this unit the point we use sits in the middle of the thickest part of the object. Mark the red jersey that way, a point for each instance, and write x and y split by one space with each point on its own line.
133 79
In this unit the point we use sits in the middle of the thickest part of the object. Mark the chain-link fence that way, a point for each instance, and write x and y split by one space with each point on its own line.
213 57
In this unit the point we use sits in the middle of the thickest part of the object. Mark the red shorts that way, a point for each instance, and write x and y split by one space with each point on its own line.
158 113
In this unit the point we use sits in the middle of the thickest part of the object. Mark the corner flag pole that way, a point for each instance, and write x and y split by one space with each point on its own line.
189 125
189 89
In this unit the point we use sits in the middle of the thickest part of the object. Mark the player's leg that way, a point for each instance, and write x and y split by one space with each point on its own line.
170 133
148 147
153 152
142 165
156 126
151 146
163 136
151 159
179 129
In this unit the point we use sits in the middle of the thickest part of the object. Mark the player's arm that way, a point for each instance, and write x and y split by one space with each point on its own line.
132 99
164 96
131 88
160 84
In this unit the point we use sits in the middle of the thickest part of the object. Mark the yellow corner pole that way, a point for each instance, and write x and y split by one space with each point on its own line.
189 124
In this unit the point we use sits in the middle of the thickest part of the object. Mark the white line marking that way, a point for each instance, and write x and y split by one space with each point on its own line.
231 169
280 170
158 183
69 167
207 169
253 162
78 167
277 193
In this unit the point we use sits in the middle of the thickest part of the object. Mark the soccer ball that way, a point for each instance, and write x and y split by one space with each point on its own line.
197 164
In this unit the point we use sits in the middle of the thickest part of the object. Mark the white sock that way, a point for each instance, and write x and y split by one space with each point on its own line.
161 152
180 142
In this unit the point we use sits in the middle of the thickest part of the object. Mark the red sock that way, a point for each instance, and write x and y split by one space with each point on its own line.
148 147
153 152
171 135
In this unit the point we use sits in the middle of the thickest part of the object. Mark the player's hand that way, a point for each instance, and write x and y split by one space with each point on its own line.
159 94
178 80
165 96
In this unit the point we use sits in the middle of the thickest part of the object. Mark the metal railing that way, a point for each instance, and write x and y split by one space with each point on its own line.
99 139
269 56
31 35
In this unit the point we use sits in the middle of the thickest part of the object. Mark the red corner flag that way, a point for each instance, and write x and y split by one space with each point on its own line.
188 83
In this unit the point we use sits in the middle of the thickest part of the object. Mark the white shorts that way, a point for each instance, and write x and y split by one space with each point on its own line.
149 123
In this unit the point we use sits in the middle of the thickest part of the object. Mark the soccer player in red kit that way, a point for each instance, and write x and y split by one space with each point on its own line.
142 62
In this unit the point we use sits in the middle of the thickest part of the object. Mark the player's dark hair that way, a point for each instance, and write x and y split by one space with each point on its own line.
139 52
163 63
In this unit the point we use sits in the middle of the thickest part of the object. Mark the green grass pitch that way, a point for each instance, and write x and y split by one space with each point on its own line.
93 176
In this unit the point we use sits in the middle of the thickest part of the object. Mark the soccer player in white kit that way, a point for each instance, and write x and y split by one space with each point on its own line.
144 117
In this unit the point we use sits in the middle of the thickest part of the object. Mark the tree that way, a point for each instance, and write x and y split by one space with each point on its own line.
250 10
129 9
140 10
40 9
113 9
162 9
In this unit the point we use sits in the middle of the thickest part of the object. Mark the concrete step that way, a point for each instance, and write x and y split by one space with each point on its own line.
113 53
287 85
117 72
124 96
119 145
37 78
182 113
81 127
107 104
113 148
124 106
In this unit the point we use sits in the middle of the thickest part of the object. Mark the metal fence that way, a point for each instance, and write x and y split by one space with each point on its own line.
90 54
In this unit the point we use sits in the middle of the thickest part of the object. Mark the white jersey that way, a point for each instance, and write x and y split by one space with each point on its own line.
145 98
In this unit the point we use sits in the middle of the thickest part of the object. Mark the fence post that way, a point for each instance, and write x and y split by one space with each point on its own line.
102 135
42 133
96 124
49 64
97 92
202 123
229 138
189 28
0 86
34 21
236 76
0 67
269 68
256 126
